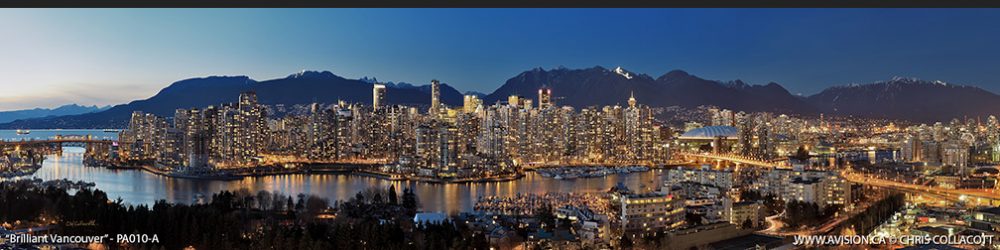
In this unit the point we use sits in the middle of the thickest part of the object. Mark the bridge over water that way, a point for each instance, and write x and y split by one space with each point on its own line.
734 158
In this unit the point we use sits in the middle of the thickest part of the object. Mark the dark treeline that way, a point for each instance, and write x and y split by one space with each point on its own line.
772 204
373 219
876 214
799 213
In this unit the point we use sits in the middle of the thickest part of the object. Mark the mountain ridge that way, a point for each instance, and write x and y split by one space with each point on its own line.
897 98
68 109
910 98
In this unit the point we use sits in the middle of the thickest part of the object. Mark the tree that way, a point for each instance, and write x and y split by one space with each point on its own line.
705 148
693 219
314 205
301 204
263 200
409 201
545 215
801 154
392 195
625 242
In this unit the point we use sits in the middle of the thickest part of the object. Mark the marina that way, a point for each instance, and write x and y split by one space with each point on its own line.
569 173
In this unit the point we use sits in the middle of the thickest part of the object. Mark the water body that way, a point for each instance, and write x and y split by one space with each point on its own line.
11 135
139 187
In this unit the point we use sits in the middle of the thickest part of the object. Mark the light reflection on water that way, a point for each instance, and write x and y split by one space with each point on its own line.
139 187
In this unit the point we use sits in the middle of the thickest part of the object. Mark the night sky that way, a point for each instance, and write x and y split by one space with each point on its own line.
93 56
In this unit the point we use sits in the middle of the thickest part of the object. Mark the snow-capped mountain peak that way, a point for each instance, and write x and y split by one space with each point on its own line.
619 70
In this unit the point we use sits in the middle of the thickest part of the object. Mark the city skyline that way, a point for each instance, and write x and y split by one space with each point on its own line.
134 59
513 128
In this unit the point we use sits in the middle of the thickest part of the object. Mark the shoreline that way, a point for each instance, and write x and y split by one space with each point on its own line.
347 169
352 169
21 173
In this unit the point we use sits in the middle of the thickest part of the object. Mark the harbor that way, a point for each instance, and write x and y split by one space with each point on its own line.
573 172
144 187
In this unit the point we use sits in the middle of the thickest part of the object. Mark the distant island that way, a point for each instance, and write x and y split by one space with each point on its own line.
70 109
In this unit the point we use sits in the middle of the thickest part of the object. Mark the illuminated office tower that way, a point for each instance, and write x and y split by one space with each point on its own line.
448 143
631 100
225 134
181 121
210 120
544 98
492 134
197 139
157 132
181 117
343 135
250 128
435 97
427 148
514 101
470 103
378 95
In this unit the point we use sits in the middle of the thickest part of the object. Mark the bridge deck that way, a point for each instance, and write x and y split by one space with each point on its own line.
734 158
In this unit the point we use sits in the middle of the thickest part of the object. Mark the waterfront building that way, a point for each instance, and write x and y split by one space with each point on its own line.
197 139
469 141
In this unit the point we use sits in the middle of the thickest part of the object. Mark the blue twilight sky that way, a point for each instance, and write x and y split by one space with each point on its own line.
109 56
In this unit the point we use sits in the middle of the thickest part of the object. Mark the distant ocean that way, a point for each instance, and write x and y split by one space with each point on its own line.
11 135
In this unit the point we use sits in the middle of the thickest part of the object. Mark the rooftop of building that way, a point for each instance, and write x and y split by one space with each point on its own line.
933 230
745 203
749 241
429 218
805 180
711 132
991 210
647 195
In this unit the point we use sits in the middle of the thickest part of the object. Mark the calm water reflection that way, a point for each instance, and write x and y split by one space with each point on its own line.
42 134
138 187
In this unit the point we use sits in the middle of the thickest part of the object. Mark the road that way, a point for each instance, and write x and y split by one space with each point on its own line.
976 196
775 224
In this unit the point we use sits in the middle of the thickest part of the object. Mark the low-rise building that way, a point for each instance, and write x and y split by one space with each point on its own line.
986 219
650 213
821 187
741 212
722 179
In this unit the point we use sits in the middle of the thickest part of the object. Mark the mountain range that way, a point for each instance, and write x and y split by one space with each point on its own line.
909 99
69 109
897 98
299 88
601 86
